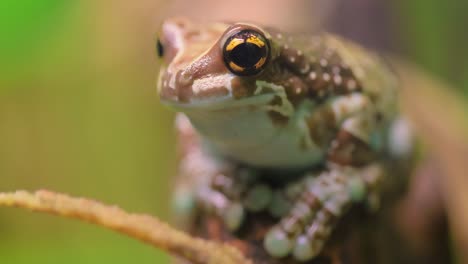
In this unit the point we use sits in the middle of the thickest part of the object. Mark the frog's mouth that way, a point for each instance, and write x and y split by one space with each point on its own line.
223 103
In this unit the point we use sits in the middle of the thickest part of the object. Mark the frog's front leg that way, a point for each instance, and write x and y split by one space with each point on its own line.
308 225
352 174
230 192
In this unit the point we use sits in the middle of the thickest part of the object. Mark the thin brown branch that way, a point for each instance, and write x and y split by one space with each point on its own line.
142 227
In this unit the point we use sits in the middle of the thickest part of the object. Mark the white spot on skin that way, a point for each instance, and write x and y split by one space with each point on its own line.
337 79
313 76
292 59
279 36
323 63
326 77
299 53
401 138
348 105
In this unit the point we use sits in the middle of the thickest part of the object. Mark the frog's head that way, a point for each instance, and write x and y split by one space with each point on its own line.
212 66
226 79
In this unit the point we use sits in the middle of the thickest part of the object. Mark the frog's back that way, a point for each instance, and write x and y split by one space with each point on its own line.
377 79
340 62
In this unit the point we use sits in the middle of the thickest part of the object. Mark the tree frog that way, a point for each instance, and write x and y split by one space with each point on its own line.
316 113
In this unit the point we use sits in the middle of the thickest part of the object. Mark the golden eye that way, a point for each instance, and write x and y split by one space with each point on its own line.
246 52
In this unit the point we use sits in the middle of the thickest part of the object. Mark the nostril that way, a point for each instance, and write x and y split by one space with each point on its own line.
180 23
160 48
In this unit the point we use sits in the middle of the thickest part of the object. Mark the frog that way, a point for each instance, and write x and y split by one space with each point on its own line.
251 98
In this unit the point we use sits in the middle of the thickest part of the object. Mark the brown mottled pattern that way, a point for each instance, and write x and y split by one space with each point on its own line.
316 71
296 89
322 126
291 225
320 231
184 93
242 87
347 149
311 217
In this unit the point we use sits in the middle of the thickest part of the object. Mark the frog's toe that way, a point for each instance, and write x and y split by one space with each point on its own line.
183 202
307 227
233 216
306 249
277 243
256 199
215 202
310 243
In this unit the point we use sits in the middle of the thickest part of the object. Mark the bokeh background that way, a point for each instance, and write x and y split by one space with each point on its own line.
79 112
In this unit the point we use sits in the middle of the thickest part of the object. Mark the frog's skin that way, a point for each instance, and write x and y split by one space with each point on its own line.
316 102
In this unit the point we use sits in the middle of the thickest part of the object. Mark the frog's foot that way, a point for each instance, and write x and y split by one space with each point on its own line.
231 211
308 225
230 197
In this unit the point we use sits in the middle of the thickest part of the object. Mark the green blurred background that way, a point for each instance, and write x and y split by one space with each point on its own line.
79 112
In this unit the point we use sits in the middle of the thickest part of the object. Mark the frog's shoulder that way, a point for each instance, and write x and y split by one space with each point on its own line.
369 67
367 64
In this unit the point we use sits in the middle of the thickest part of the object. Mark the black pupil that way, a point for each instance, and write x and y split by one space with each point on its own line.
247 54
160 49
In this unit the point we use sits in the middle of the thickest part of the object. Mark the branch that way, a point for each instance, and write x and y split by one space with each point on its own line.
139 226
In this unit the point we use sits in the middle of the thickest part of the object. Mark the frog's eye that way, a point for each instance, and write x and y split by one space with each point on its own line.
160 49
246 52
